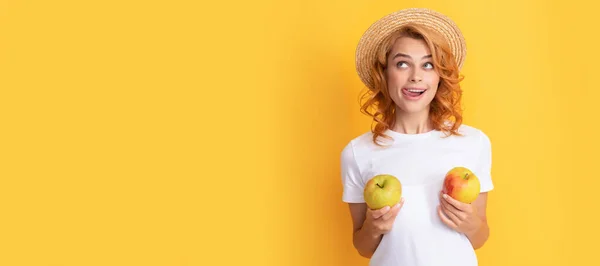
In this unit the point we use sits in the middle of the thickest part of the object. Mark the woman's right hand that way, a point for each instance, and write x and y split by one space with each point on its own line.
380 221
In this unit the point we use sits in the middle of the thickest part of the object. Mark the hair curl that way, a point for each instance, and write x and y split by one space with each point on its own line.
445 111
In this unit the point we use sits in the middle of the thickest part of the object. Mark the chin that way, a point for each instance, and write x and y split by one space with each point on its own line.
412 108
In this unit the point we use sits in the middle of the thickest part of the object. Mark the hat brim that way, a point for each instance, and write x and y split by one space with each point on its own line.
370 41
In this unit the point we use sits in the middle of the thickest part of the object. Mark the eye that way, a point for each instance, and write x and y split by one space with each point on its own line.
402 64
428 65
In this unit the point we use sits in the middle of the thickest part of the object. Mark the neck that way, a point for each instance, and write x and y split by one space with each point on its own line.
412 123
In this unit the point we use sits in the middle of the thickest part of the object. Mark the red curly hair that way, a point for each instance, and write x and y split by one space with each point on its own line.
445 106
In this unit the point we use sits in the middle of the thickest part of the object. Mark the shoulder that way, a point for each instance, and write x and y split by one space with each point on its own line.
474 135
469 130
359 146
355 143
361 143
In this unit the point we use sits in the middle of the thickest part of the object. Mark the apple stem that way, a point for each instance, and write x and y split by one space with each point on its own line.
466 176
379 185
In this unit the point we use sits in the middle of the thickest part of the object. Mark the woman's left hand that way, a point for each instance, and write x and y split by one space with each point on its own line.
461 217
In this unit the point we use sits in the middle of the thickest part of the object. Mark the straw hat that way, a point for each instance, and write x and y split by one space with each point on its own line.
373 37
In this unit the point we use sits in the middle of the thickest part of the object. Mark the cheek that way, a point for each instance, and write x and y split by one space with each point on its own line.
433 80
394 94
393 83
392 79
396 75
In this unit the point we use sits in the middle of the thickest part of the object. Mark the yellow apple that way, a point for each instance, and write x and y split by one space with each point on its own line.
382 190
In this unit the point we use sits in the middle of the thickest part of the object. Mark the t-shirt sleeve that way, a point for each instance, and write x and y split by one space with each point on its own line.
352 183
485 164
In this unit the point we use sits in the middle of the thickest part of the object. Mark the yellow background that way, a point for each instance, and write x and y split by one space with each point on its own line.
209 133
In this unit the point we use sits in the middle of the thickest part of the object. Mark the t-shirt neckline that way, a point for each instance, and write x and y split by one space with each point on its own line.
405 136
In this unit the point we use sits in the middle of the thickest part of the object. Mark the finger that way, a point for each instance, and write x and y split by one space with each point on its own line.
380 212
450 214
445 219
459 205
450 208
394 211
390 213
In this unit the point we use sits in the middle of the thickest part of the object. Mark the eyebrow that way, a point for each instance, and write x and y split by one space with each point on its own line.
408 56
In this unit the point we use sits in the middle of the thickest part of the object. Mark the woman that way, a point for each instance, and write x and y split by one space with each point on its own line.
410 61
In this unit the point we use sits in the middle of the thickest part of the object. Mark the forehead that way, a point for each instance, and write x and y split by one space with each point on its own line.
410 46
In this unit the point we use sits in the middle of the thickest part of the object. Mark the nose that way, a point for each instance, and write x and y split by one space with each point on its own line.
416 76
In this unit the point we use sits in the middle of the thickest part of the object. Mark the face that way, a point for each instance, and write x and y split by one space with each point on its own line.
412 80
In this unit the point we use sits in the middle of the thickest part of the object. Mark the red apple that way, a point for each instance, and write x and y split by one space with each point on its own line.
461 184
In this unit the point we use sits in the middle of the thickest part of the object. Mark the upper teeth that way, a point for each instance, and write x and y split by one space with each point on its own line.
415 90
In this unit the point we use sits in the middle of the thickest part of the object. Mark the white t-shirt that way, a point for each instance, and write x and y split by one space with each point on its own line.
420 162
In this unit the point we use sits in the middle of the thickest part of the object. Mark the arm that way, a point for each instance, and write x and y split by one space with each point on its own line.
480 235
469 219
369 226
365 241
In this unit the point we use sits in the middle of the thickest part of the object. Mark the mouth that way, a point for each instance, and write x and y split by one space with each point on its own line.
413 93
